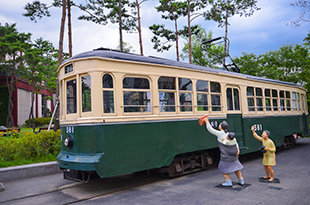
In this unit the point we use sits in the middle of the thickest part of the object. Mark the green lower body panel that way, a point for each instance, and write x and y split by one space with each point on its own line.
113 149
78 162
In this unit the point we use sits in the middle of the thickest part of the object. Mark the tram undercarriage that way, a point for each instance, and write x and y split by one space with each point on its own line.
187 163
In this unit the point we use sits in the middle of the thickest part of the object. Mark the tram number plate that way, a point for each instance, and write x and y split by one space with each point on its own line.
69 130
258 127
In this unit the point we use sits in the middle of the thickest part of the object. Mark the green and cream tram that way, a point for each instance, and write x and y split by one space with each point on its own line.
122 113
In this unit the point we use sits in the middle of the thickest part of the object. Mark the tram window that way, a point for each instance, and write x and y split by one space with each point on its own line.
236 99
267 100
215 98
259 99
185 97
230 105
275 100
250 94
251 106
216 102
136 83
166 102
294 101
250 91
282 101
288 100
185 84
298 101
202 88
71 96
185 102
215 87
202 101
167 98
232 95
107 81
108 93
166 83
136 101
86 93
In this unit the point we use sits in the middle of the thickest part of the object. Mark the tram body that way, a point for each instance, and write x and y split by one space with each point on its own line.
122 113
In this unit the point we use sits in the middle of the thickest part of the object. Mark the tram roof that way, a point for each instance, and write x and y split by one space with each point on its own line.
113 54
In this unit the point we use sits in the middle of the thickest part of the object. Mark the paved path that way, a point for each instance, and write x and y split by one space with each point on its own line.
292 170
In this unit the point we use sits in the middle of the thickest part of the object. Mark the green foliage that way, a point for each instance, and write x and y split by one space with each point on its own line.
40 121
97 8
12 43
290 63
27 147
36 10
204 57
127 48
221 10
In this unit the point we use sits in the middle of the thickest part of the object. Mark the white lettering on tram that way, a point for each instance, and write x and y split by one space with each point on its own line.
69 130
214 124
258 127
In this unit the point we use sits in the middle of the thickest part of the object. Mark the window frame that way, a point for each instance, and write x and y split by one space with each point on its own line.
148 107
108 90
187 93
167 90
203 93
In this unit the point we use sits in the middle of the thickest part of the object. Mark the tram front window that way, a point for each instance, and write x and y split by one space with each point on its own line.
71 96
136 100
108 94
86 93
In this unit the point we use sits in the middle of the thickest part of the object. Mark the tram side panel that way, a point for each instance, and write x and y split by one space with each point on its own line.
115 149
133 147
279 127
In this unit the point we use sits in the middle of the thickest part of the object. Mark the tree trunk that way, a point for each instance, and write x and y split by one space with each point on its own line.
225 42
60 51
189 32
176 39
139 29
10 118
31 117
120 25
69 28
44 102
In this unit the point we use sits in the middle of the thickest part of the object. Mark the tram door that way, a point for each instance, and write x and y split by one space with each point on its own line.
234 116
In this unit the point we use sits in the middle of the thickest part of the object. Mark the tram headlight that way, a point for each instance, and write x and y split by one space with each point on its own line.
68 141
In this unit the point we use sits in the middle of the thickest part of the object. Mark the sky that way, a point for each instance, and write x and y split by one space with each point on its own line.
264 31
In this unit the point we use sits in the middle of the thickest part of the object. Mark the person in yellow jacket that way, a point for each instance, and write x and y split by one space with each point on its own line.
269 149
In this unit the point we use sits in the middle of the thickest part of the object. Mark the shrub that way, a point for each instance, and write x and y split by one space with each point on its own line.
38 122
29 148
